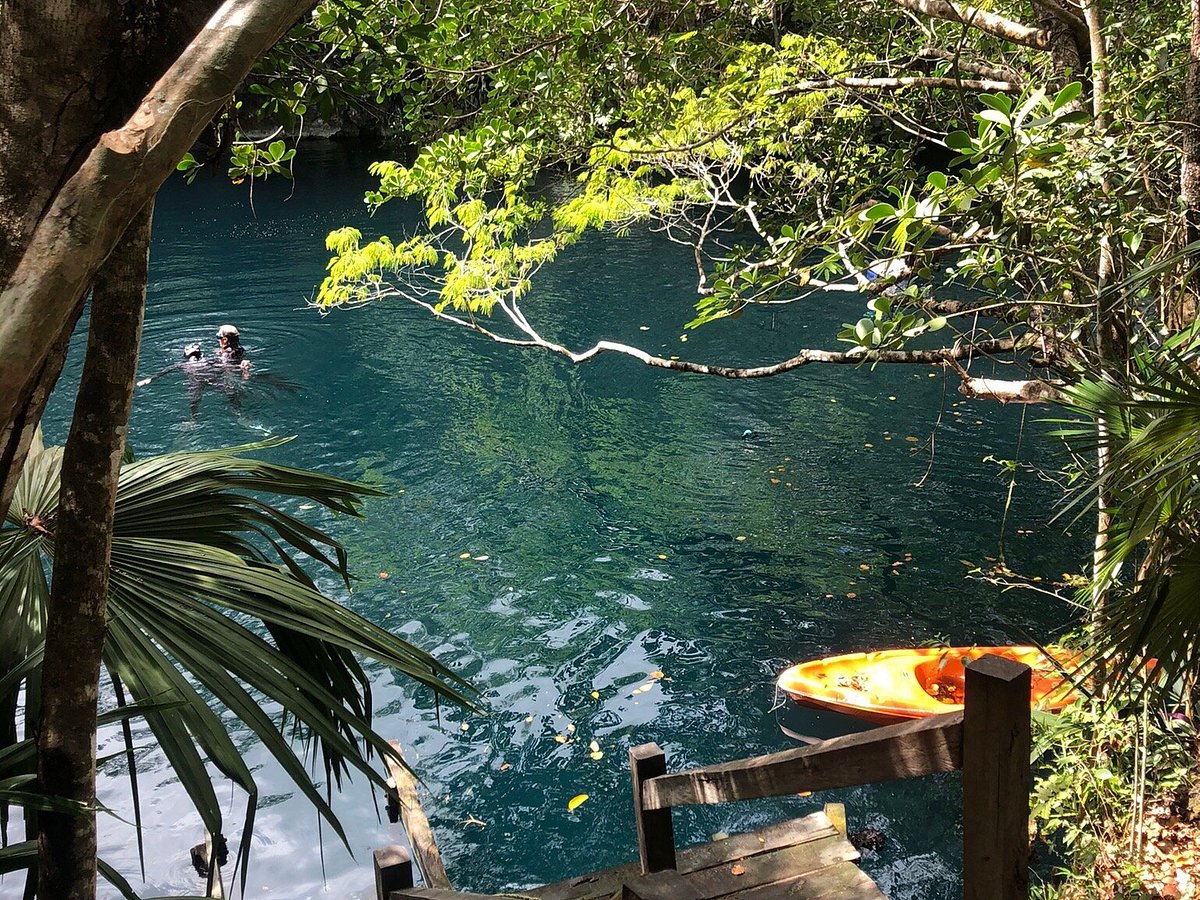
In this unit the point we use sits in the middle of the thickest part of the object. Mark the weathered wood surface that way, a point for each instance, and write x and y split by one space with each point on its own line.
655 832
800 858
906 750
996 741
393 870
424 846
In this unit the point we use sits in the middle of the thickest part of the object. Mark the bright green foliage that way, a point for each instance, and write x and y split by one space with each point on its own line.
1099 767
210 610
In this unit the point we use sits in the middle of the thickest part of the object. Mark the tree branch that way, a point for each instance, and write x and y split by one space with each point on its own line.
891 84
981 20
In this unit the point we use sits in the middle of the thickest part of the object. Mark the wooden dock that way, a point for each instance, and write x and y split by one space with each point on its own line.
808 858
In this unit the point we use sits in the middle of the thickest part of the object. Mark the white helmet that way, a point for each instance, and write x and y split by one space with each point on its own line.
227 331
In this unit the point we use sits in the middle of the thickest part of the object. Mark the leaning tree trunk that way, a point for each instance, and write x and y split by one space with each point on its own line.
69 71
76 625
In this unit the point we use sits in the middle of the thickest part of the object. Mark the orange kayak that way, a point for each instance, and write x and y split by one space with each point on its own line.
889 685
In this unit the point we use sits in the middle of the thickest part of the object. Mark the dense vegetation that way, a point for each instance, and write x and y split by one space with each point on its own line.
1018 183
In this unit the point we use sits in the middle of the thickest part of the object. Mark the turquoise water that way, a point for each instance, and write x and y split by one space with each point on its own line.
617 523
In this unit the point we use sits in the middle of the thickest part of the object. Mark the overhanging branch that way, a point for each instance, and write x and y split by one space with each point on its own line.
892 84
981 20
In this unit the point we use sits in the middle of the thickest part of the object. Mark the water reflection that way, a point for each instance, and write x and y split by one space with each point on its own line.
629 528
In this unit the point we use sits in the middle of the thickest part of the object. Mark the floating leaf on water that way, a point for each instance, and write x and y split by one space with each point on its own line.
528 720
504 767
643 328
483 558
891 396
596 754
738 869
683 338
887 437
560 738
933 374
662 556
851 595
774 481
863 567
804 794
464 727
464 556
570 728
384 575
740 537
594 746
595 695
577 801
912 438
656 674
869 446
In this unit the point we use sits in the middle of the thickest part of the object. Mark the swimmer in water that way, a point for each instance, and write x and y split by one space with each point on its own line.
230 351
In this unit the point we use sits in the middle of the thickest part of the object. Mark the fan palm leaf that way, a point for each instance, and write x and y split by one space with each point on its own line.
1151 573
211 608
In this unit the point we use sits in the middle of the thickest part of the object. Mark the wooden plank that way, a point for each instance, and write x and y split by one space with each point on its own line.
756 871
737 847
996 741
840 881
393 870
791 833
416 825
414 893
837 815
655 832
906 750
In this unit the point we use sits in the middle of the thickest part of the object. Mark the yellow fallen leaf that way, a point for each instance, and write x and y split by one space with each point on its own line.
577 801
464 556
481 558
863 567
683 337
594 746
740 537
851 595
528 719
464 727
656 674
891 396
560 738
384 575
504 767
643 328
662 556
596 754
739 869
595 695
912 439
570 728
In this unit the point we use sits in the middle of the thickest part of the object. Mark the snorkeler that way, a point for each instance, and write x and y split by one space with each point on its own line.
197 371
230 351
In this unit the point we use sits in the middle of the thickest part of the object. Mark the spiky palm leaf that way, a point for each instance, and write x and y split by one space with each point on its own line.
208 608
1152 571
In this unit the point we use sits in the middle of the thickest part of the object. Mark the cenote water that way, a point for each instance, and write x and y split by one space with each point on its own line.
615 520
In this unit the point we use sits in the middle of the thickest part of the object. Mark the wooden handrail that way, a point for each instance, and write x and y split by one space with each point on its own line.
906 750
989 740
402 789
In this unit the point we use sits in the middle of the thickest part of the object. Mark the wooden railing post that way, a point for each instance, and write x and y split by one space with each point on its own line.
995 746
655 833
393 870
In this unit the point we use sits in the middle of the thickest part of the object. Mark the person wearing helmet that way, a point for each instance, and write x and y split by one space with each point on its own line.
230 351
195 370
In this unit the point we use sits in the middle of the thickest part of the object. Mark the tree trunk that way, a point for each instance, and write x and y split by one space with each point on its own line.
69 70
76 624
1190 179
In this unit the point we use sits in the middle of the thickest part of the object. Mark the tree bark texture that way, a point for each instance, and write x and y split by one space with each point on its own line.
76 623
1190 179
69 70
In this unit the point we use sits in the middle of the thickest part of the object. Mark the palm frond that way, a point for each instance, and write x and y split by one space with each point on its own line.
211 607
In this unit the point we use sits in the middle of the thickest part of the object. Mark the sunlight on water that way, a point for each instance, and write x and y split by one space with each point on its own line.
618 522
